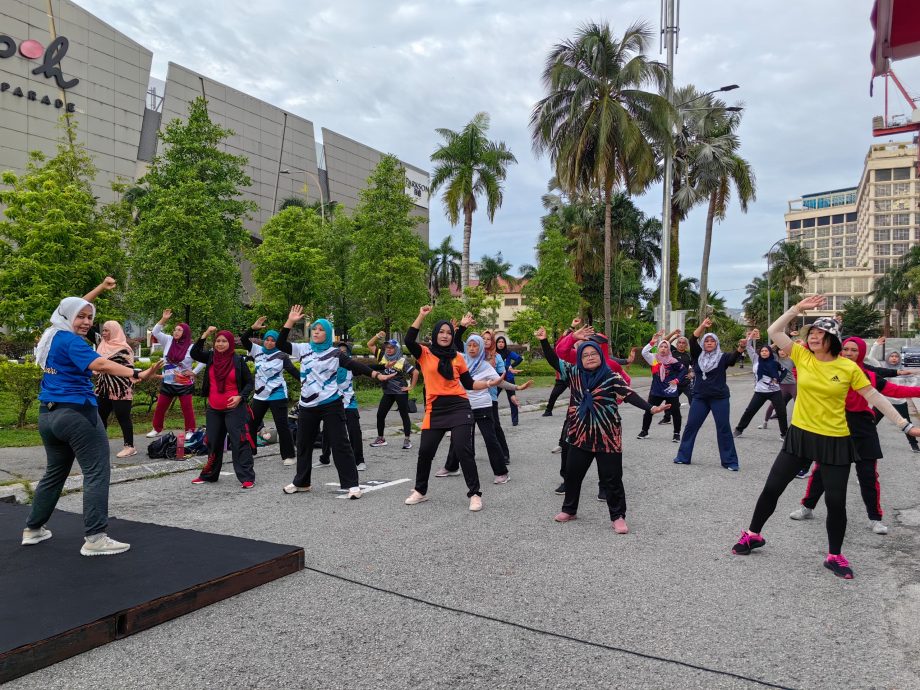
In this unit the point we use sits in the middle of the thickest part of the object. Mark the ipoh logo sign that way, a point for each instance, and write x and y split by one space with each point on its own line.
50 67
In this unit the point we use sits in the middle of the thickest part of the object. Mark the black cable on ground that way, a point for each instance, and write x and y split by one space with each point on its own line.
549 633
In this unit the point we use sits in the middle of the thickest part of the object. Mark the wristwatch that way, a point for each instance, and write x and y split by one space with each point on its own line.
136 375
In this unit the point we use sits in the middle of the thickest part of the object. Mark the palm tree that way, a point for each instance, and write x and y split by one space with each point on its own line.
790 263
719 168
292 202
527 271
640 240
443 269
492 271
897 289
598 124
468 165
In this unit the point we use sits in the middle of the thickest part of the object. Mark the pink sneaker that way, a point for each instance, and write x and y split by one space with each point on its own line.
839 565
444 472
502 479
620 526
247 485
198 480
565 517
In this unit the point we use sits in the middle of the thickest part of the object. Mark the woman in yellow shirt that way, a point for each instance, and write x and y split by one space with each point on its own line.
819 431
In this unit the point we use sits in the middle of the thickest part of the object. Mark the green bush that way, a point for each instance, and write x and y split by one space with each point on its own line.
22 382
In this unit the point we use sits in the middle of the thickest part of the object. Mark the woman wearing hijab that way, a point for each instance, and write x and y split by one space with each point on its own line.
667 373
710 394
116 393
481 402
891 368
497 363
321 402
786 386
447 406
392 361
511 359
861 423
271 391
819 431
594 429
69 424
767 376
227 385
178 375
680 348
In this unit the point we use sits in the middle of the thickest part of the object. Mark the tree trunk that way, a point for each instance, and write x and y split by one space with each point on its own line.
886 325
707 247
675 258
465 260
608 256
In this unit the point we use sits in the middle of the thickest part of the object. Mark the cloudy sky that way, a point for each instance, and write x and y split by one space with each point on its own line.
388 73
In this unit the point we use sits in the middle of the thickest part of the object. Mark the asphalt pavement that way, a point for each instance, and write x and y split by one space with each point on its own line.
435 596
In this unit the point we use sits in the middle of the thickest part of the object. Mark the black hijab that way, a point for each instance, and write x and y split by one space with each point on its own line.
502 349
445 355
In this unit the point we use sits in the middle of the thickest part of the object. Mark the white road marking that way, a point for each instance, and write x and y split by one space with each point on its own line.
370 487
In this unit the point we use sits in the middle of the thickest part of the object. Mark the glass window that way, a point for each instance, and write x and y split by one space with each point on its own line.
808 222
883 175
850 263
822 253
860 285
810 244
850 251
795 224
823 244
901 174
837 252
808 233
851 228
900 219
899 249
883 204
900 234
824 220
882 220
851 217
837 242
851 240
882 235
881 265
836 229
824 232
883 190
883 249
837 219
900 188
511 301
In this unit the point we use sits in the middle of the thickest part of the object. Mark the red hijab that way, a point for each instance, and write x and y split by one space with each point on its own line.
222 362
179 347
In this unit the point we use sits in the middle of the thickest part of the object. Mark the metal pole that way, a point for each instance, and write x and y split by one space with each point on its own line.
769 290
669 30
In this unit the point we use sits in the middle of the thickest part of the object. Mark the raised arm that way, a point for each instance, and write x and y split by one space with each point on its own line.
372 343
198 352
647 353
876 354
246 338
548 350
777 329
295 315
411 339
104 286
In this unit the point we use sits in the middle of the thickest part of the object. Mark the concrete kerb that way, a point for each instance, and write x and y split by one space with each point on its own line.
74 483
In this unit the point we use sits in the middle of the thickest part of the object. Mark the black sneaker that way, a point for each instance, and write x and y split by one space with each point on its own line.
915 449
602 495
664 420
676 438
548 413
642 435
747 543
560 490
737 432
839 566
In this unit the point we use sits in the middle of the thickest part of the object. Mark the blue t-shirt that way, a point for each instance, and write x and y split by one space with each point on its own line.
499 369
67 377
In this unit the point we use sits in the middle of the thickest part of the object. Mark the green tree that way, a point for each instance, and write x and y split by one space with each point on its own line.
597 122
468 166
56 241
387 275
186 248
475 300
898 289
444 267
861 319
492 271
21 382
293 264
790 263
552 291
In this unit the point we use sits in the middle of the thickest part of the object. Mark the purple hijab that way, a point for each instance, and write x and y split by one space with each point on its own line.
179 347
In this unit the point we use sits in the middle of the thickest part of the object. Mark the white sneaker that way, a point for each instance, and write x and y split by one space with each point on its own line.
103 546
288 462
317 464
126 452
153 433
294 489
34 536
762 425
877 526
354 493
188 435
802 513
556 450
362 466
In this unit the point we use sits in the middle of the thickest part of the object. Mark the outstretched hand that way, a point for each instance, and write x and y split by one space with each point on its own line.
524 386
813 302
259 323
540 333
424 311
296 313
660 408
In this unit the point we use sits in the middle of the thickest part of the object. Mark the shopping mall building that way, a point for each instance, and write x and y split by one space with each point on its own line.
56 57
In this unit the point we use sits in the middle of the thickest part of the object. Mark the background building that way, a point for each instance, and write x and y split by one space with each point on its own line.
858 234
56 57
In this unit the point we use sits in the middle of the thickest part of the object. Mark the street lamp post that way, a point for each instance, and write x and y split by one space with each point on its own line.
322 202
665 295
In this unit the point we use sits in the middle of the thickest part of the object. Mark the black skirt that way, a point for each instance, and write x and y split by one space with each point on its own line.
827 450
864 435
174 391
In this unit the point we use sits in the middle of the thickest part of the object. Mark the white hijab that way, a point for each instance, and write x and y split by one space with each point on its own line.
61 320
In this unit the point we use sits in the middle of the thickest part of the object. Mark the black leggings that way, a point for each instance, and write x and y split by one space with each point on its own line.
558 389
871 490
610 471
461 443
353 424
499 432
122 410
757 401
483 419
654 401
785 468
402 404
682 390
279 410
332 417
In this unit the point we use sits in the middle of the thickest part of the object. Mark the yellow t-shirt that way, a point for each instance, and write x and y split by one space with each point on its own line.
820 402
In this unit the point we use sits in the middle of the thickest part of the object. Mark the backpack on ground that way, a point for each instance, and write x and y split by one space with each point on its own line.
196 445
163 448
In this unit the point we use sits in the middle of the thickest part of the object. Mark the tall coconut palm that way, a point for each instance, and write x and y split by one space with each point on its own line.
492 271
443 266
468 166
790 263
598 124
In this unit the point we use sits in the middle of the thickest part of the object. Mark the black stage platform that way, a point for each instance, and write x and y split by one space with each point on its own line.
56 603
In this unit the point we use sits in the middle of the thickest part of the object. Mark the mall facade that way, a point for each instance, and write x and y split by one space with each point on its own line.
56 58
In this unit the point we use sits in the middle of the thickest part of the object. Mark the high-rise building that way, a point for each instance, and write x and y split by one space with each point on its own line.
857 234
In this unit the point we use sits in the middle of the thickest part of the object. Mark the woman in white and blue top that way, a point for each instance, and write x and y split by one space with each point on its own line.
346 383
321 401
271 391
767 377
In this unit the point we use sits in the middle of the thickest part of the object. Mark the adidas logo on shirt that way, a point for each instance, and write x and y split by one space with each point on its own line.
836 379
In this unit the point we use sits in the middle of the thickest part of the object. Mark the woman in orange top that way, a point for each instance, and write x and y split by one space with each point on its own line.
447 407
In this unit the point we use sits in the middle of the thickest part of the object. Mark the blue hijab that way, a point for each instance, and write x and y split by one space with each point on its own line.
326 344
270 334
590 379
768 366
472 363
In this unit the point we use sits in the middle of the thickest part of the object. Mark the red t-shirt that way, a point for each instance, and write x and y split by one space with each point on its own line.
218 400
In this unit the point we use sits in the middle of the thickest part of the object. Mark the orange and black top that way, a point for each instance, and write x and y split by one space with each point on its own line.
446 381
